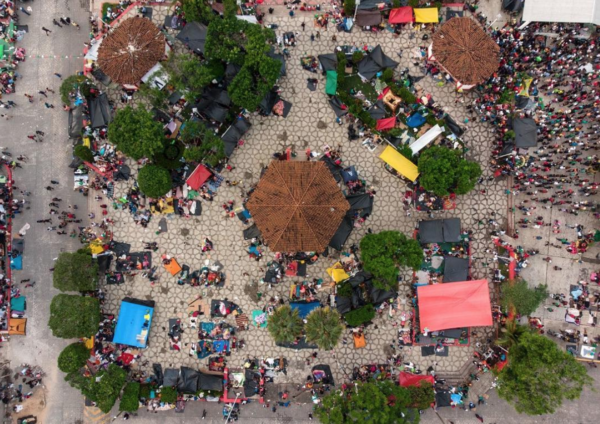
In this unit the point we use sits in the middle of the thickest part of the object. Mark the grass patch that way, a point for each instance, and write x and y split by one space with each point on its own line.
353 82
105 7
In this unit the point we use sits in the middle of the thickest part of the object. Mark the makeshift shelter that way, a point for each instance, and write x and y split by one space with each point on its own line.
359 340
171 377
464 50
455 269
297 206
457 305
197 178
188 380
339 238
408 379
100 111
322 374
375 62
401 15
400 163
304 308
525 132
453 126
210 382
134 322
328 62
374 4
337 273
377 110
425 139
130 50
368 18
234 134
440 231
75 121
193 35
331 84
361 201
427 15
173 267
386 123
573 11
338 107
17 327
251 232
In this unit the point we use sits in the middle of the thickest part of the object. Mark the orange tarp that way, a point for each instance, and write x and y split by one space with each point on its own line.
359 341
173 267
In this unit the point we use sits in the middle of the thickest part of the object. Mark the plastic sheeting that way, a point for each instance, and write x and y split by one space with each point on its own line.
331 84
401 15
193 35
427 15
408 379
401 164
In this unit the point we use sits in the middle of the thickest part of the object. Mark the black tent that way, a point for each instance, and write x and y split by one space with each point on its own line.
368 18
171 377
104 263
455 269
328 62
188 383
439 231
250 385
251 232
234 133
451 230
513 6
319 370
343 304
525 132
341 235
193 35
334 168
377 111
442 398
338 107
280 58
375 62
100 111
75 121
101 76
210 382
454 127
378 296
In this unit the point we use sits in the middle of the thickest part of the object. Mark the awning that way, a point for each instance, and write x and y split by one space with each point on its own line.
198 177
456 305
408 379
133 325
425 139
427 15
401 15
331 84
402 165
386 123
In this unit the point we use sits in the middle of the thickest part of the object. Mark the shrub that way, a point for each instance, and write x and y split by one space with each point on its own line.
360 316
406 95
170 157
388 75
84 153
509 135
357 56
154 181
349 7
104 387
72 84
130 400
395 132
430 119
168 395
73 357
145 390
524 299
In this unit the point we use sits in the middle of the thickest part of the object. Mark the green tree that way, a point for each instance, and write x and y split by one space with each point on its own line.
130 400
157 97
443 170
71 85
154 181
511 334
225 40
384 252
285 324
230 8
540 376
136 133
75 272
197 11
360 316
251 85
73 357
189 73
203 145
74 316
84 153
323 328
170 157
422 396
105 386
349 7
524 299
378 402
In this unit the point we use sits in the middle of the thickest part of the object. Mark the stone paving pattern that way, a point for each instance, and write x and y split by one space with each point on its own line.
311 124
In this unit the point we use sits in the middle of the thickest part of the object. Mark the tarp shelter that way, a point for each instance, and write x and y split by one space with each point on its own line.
455 269
331 84
304 308
338 107
193 35
376 61
386 123
440 231
374 4
360 201
92 53
210 382
574 11
75 121
442 398
457 305
378 296
171 377
400 163
248 18
100 111
17 326
328 62
377 110
134 322
104 263
408 379
427 15
341 235
401 15
322 373
368 18
337 273
525 132
334 168
188 380
198 177
234 134
251 232
425 139
173 267
18 303
453 126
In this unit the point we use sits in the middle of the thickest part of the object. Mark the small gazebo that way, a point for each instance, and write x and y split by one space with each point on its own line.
131 50
297 206
463 49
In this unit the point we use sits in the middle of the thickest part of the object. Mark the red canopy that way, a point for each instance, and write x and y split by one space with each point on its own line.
454 305
401 15
198 177
407 379
386 123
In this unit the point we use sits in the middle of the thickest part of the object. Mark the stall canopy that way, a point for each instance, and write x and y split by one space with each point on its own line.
425 139
401 164
133 325
100 111
440 231
408 379
193 35
376 61
576 11
427 15
457 305
331 84
455 269
304 308
368 18
525 132
198 177
401 15
75 121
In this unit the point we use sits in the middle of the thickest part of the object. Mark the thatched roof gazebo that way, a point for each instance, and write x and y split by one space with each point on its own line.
131 50
465 51
297 206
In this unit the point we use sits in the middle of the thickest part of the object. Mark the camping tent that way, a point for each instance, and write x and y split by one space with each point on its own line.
135 320
455 269
341 235
75 121
457 305
525 132
328 62
100 111
331 84
375 62
400 163
198 177
408 379
368 18
440 230
304 308
427 15
401 15
193 35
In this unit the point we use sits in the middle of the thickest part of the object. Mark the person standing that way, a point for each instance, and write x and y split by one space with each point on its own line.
48 32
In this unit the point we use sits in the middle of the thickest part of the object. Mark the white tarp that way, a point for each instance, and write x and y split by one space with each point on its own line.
92 53
575 11
160 78
425 139
248 18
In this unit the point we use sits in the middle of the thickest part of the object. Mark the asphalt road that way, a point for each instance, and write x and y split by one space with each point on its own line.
47 160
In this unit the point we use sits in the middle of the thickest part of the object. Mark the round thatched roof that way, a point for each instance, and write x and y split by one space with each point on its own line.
297 206
131 50
466 51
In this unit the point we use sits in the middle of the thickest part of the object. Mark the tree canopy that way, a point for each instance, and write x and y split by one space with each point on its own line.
73 357
74 316
377 402
324 328
203 145
540 376
72 84
285 324
382 253
136 133
104 387
198 11
75 272
443 170
130 401
524 299
189 73
154 181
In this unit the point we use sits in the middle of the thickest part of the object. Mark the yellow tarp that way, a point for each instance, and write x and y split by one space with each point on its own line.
400 163
337 273
164 206
96 247
525 90
88 343
427 15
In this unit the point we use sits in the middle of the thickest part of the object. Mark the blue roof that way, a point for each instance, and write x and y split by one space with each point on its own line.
305 308
133 325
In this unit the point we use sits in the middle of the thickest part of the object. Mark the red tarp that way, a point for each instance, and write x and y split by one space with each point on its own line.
386 123
407 379
198 177
401 15
454 305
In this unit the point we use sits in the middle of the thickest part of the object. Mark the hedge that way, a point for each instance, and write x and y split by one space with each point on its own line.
130 401
360 316
168 395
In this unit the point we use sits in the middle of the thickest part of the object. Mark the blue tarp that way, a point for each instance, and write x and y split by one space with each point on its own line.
16 263
415 121
133 325
305 308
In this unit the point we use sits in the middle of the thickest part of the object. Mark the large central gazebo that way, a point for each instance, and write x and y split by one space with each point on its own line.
297 206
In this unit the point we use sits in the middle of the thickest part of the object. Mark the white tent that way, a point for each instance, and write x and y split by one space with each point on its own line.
425 139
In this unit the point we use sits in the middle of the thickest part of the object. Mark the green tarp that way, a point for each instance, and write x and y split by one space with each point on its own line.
331 85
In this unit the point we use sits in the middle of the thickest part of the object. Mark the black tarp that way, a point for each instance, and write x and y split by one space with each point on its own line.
171 377
173 22
287 107
378 296
101 76
328 374
338 107
341 235
454 127
267 103
234 133
442 398
188 383
302 344
439 231
100 111
328 62
120 249
250 385
374 4
75 121
279 57
375 62
123 173
311 84
451 230
525 132
507 150
210 382
343 304
368 18
360 201
431 350
455 269
334 168
231 71
103 263
514 6
158 373
193 35
377 111
251 232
